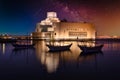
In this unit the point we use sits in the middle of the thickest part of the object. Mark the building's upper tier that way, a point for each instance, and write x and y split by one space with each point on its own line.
51 15
51 18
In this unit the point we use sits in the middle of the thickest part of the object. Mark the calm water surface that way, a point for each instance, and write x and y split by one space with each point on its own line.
39 64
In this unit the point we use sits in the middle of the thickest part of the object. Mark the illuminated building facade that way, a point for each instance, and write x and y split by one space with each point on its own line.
51 27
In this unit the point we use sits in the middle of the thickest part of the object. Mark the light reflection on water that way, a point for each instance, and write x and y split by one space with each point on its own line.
51 60
39 61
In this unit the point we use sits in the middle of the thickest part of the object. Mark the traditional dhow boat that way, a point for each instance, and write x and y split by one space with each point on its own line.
89 49
58 47
21 46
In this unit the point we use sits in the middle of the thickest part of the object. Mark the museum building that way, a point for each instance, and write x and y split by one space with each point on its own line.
53 28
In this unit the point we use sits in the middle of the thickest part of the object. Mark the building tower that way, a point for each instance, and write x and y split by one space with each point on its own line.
46 27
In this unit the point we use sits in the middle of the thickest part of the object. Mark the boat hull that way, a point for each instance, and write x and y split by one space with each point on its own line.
86 49
20 46
58 48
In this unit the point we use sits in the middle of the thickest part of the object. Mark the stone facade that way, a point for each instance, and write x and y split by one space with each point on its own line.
51 27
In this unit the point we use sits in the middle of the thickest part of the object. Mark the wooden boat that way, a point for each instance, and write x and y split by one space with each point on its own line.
58 48
89 49
19 46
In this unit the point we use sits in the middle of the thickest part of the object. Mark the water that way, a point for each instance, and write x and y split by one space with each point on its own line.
39 64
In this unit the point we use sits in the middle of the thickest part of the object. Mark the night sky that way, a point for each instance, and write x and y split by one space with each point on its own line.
21 16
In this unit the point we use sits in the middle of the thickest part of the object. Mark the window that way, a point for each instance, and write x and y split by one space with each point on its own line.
79 34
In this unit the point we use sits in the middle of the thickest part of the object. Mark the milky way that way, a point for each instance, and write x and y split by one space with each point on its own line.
24 14
105 14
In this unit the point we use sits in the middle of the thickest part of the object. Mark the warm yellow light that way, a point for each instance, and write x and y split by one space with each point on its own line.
51 15
52 62
3 48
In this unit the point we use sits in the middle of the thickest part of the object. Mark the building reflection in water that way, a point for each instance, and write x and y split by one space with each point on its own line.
51 60
3 48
